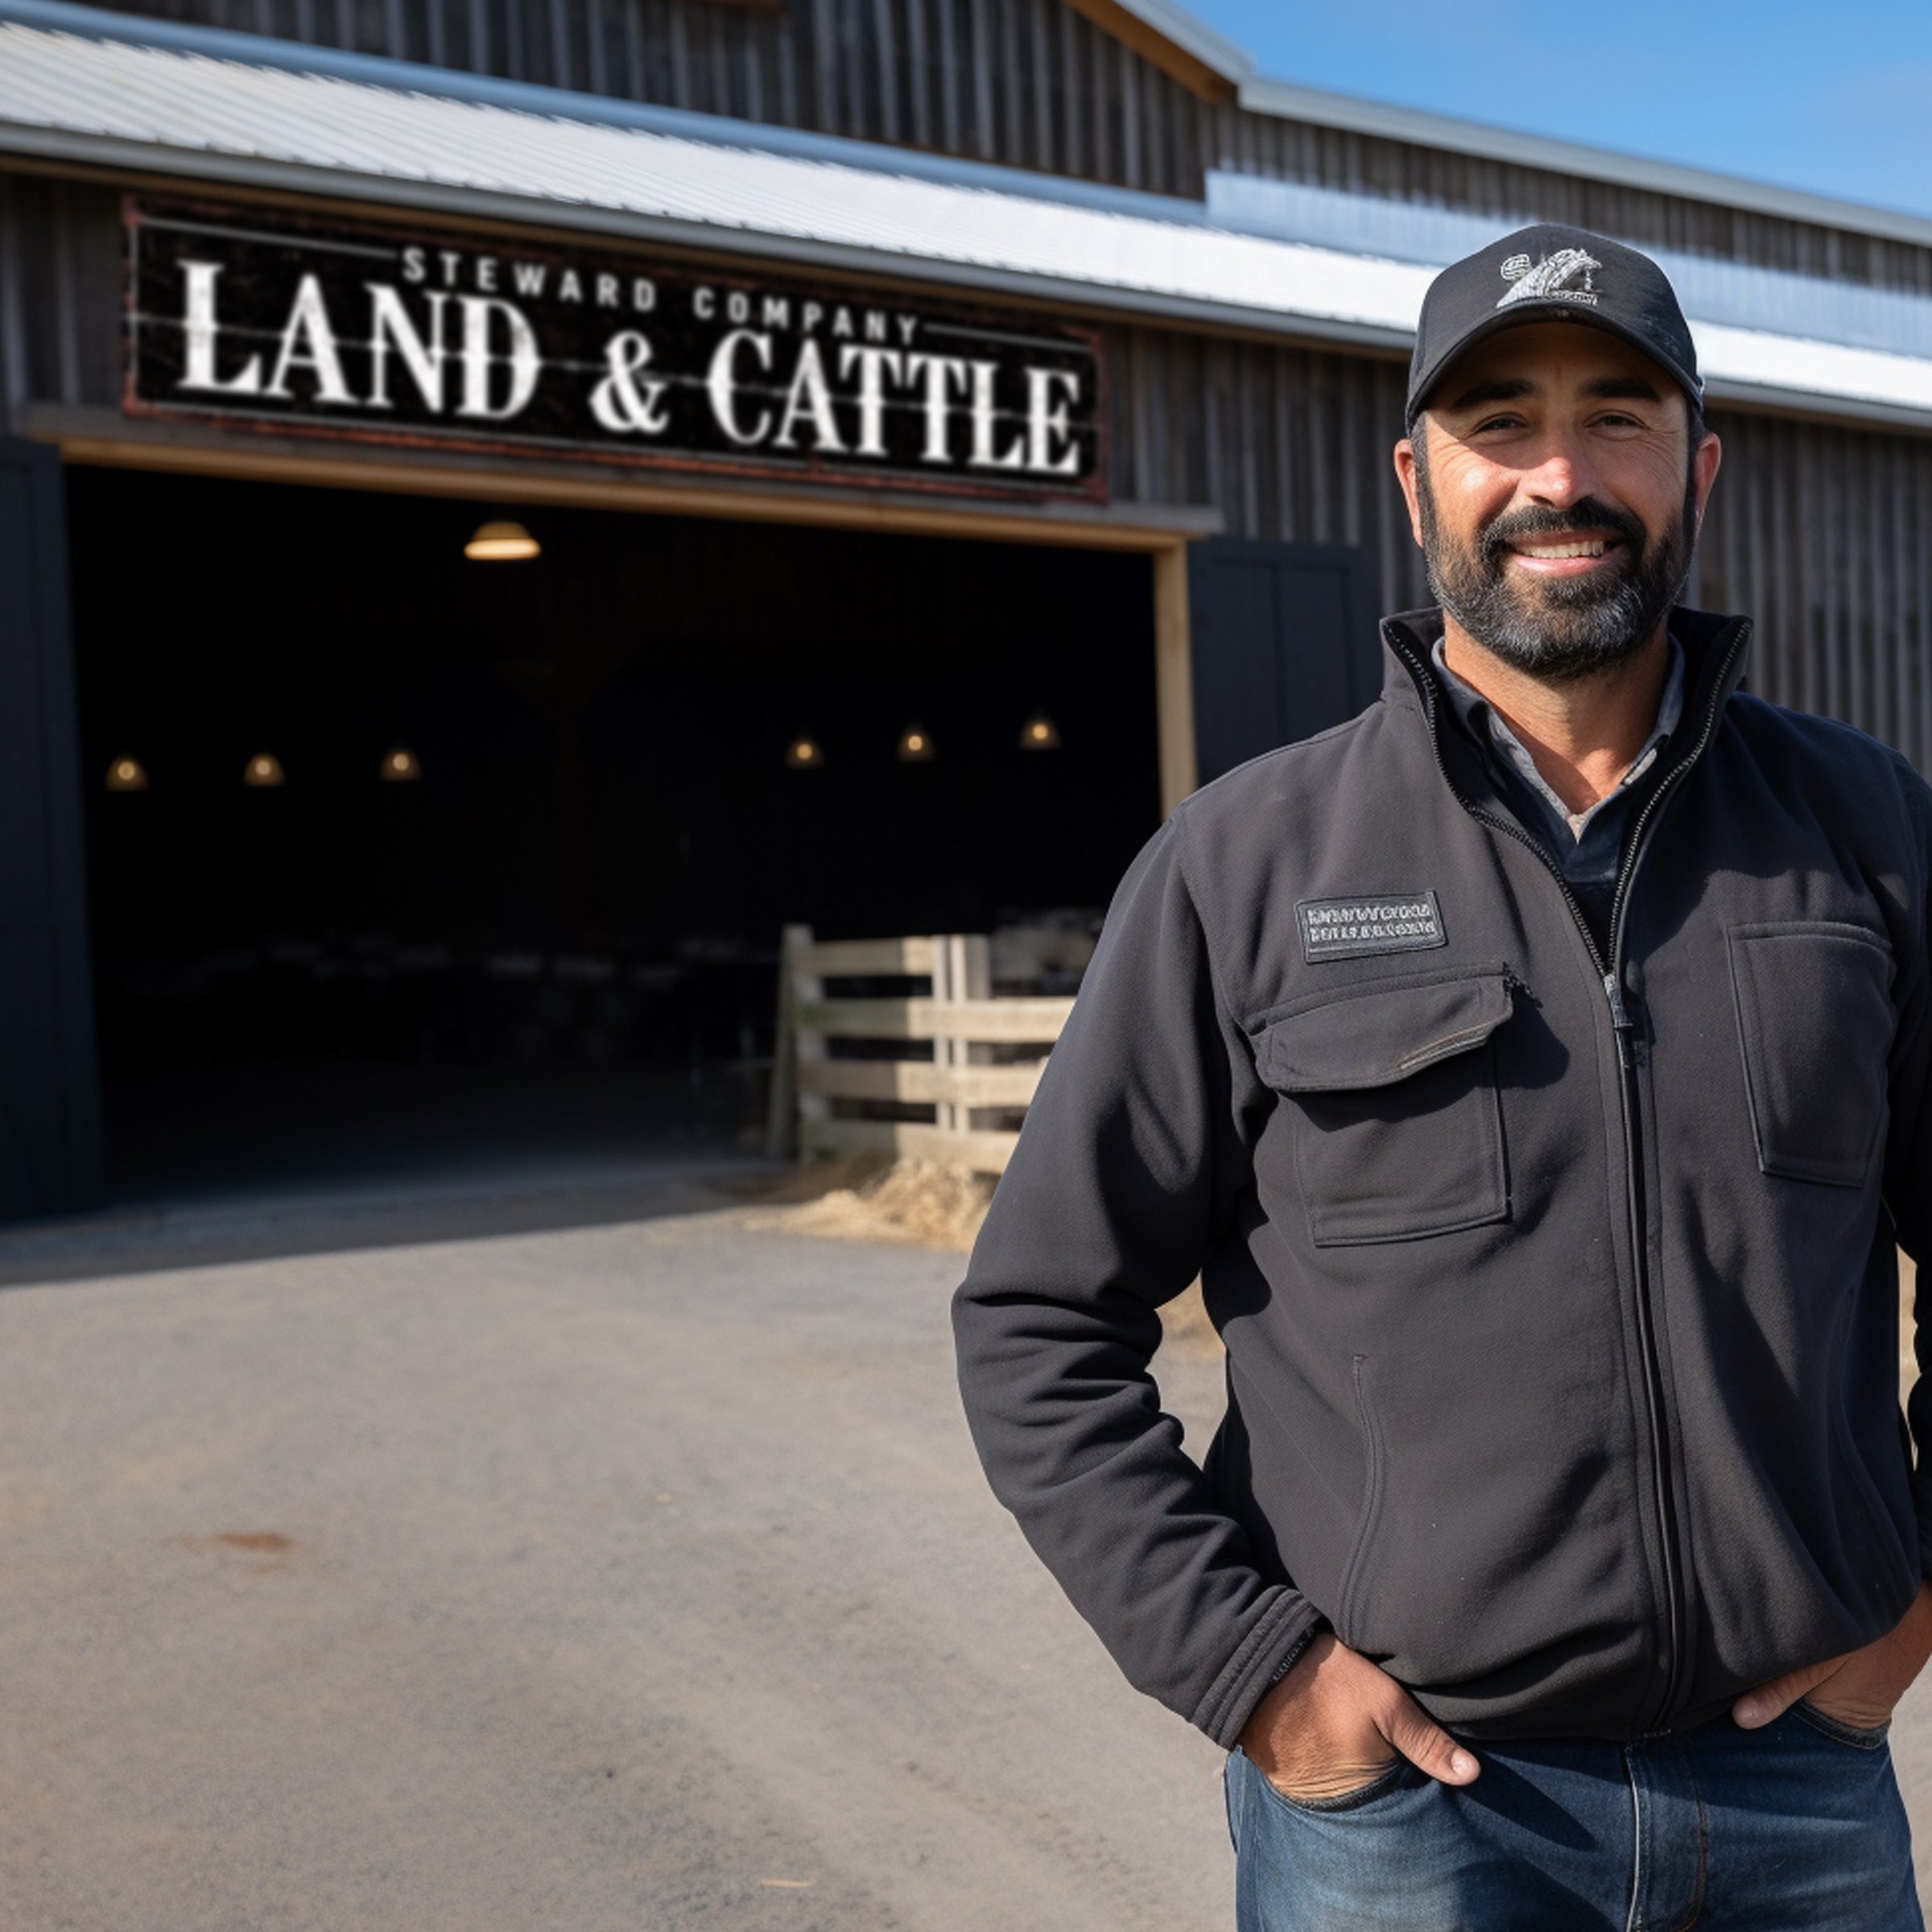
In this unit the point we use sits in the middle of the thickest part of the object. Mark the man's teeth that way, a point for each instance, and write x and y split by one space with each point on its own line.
1595 548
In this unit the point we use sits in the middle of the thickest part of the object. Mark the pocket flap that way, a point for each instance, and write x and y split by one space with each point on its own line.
1377 1037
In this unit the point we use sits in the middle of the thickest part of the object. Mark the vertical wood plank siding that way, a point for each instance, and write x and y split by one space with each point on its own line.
1822 533
1028 83
1025 82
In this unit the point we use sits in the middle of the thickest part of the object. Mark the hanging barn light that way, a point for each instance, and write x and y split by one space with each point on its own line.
263 769
126 774
501 543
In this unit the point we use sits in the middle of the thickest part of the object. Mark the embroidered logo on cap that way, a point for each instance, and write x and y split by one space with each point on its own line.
1393 922
1550 280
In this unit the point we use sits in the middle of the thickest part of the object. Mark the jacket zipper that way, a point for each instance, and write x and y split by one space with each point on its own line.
1624 1031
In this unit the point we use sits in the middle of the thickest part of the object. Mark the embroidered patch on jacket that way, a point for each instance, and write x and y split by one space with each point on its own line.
1395 922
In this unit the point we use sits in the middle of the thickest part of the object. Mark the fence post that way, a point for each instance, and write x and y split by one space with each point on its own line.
962 970
783 1108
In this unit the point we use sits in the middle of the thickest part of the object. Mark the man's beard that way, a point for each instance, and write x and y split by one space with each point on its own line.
1560 628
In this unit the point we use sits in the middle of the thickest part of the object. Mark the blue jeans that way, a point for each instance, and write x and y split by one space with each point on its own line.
1798 1826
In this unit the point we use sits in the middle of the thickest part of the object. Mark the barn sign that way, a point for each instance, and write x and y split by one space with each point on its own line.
256 318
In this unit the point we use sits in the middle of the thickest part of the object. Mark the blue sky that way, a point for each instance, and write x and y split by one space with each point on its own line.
1835 98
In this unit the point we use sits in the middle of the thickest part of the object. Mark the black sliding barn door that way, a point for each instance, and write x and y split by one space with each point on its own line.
50 1134
1284 643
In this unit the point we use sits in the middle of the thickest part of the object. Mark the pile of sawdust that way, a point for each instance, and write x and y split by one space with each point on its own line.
917 1202
927 1206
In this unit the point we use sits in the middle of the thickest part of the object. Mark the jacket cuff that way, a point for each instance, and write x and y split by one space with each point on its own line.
1266 1656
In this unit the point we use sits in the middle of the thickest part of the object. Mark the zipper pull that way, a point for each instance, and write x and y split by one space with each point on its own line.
1620 1023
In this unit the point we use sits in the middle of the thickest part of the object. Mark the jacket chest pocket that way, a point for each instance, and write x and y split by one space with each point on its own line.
1815 1023
1396 1124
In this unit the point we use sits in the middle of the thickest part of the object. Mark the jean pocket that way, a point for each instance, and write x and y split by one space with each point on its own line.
1830 1727
1386 1781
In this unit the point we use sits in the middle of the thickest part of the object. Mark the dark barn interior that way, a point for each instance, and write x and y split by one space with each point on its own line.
559 935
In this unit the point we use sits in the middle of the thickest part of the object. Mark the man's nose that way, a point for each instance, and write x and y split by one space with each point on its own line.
1563 476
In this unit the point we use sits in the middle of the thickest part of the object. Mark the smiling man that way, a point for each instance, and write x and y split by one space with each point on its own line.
1535 1070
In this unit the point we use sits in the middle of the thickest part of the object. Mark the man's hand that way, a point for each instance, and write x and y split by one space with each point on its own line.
1858 1689
1336 1722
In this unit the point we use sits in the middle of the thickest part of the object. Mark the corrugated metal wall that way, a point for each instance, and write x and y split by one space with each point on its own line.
1026 82
1824 533
1824 536
1286 442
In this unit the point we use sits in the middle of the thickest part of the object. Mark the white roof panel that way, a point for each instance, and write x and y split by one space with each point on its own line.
171 108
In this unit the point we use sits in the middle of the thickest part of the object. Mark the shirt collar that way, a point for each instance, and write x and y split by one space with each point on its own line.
1486 724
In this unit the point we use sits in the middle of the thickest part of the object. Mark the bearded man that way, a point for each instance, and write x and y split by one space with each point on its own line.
1534 1070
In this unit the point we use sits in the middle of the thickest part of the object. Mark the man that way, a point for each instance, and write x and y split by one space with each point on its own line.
1535 1072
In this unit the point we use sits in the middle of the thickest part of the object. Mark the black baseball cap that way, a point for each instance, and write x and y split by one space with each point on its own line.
1546 271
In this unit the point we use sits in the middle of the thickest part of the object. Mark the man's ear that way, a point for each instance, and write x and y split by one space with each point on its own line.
1405 475
1703 469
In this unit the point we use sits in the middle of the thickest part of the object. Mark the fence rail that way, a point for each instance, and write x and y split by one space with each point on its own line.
985 1052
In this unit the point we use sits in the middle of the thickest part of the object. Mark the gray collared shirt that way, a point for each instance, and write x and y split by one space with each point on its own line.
1588 844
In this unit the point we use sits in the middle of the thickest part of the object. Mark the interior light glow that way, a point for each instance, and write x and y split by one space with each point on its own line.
263 769
915 746
501 543
401 766
126 774
804 754
1039 734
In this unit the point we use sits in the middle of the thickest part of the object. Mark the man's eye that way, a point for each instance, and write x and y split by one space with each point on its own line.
1495 422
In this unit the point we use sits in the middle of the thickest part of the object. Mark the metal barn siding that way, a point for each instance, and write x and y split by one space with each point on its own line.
1822 531
60 295
1028 83
1824 536
1288 444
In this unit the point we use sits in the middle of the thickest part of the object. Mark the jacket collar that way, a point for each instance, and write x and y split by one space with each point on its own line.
1716 651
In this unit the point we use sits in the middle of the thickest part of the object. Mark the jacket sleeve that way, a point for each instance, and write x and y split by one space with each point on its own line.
1908 1143
1132 1161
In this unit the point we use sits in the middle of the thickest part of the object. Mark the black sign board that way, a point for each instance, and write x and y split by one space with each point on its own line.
260 318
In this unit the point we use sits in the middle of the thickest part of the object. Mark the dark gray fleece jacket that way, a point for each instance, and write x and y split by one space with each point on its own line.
1558 1289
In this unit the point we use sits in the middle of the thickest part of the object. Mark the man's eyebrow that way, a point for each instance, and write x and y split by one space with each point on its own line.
1623 388
1503 389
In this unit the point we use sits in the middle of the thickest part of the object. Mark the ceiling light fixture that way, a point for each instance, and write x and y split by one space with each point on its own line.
804 754
915 746
501 543
263 769
1039 734
401 767
126 774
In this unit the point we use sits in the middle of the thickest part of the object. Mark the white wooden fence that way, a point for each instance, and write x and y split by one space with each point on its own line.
967 1060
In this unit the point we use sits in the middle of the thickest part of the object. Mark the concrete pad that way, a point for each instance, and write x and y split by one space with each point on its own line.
629 1574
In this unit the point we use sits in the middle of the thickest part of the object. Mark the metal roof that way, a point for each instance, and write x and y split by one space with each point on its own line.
1287 102
210 107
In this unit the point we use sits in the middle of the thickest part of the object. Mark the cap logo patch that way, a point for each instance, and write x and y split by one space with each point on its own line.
1346 929
1550 279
